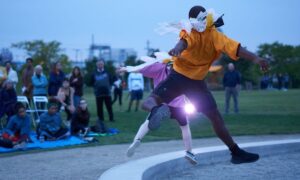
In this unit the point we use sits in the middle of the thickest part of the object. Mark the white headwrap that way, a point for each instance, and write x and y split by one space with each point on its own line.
186 24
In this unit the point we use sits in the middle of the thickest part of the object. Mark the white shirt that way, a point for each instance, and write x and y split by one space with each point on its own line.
135 81
13 76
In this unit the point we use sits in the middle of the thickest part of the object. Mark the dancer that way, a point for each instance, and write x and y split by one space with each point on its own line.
158 72
196 50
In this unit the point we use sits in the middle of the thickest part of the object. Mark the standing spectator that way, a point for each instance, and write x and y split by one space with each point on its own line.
11 73
80 119
65 96
286 80
275 81
8 99
76 81
26 79
280 81
3 75
118 88
270 82
39 83
50 126
135 87
231 82
101 80
18 128
56 78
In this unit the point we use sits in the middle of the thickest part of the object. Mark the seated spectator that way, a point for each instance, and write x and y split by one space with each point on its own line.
65 96
80 119
17 131
8 99
50 126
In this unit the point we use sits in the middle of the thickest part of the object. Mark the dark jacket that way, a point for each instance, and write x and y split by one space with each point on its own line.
78 85
55 82
102 83
231 79
80 119
8 99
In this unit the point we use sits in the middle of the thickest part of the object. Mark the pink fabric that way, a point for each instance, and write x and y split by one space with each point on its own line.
157 72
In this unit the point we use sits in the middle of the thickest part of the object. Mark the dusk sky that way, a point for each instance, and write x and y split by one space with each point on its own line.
130 23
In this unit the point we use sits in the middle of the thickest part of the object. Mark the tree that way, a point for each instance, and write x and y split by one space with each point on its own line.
5 55
249 71
283 59
44 53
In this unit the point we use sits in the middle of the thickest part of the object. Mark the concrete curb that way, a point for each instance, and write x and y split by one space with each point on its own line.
163 164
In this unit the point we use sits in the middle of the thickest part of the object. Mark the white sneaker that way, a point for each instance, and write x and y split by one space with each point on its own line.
22 145
132 147
191 158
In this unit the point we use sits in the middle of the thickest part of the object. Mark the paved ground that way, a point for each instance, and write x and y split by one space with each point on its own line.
278 167
91 162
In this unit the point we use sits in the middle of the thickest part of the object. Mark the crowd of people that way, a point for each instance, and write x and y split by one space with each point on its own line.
275 81
63 94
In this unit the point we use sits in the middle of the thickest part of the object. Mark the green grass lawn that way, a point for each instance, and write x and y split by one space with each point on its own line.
261 112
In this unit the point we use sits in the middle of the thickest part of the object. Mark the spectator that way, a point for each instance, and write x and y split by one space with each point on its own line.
3 75
118 88
26 79
280 81
50 126
39 83
76 81
286 80
270 82
135 87
11 74
80 119
17 131
231 82
65 96
101 80
8 99
275 81
56 78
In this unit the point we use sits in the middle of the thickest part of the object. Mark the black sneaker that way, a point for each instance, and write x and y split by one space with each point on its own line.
242 156
191 157
158 114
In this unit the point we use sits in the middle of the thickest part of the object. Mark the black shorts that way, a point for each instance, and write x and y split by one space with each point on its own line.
136 94
196 91
179 115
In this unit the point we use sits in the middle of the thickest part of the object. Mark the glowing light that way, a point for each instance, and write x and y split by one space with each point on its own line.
189 108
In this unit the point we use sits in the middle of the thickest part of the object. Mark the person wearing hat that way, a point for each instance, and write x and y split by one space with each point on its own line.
80 119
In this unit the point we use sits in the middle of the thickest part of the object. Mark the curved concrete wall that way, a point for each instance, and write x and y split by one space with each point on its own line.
161 165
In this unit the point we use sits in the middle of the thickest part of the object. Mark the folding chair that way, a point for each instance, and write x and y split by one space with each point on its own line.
37 101
24 100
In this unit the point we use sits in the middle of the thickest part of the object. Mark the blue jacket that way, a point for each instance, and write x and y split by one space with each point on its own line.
51 123
18 124
231 78
39 84
102 83
55 82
